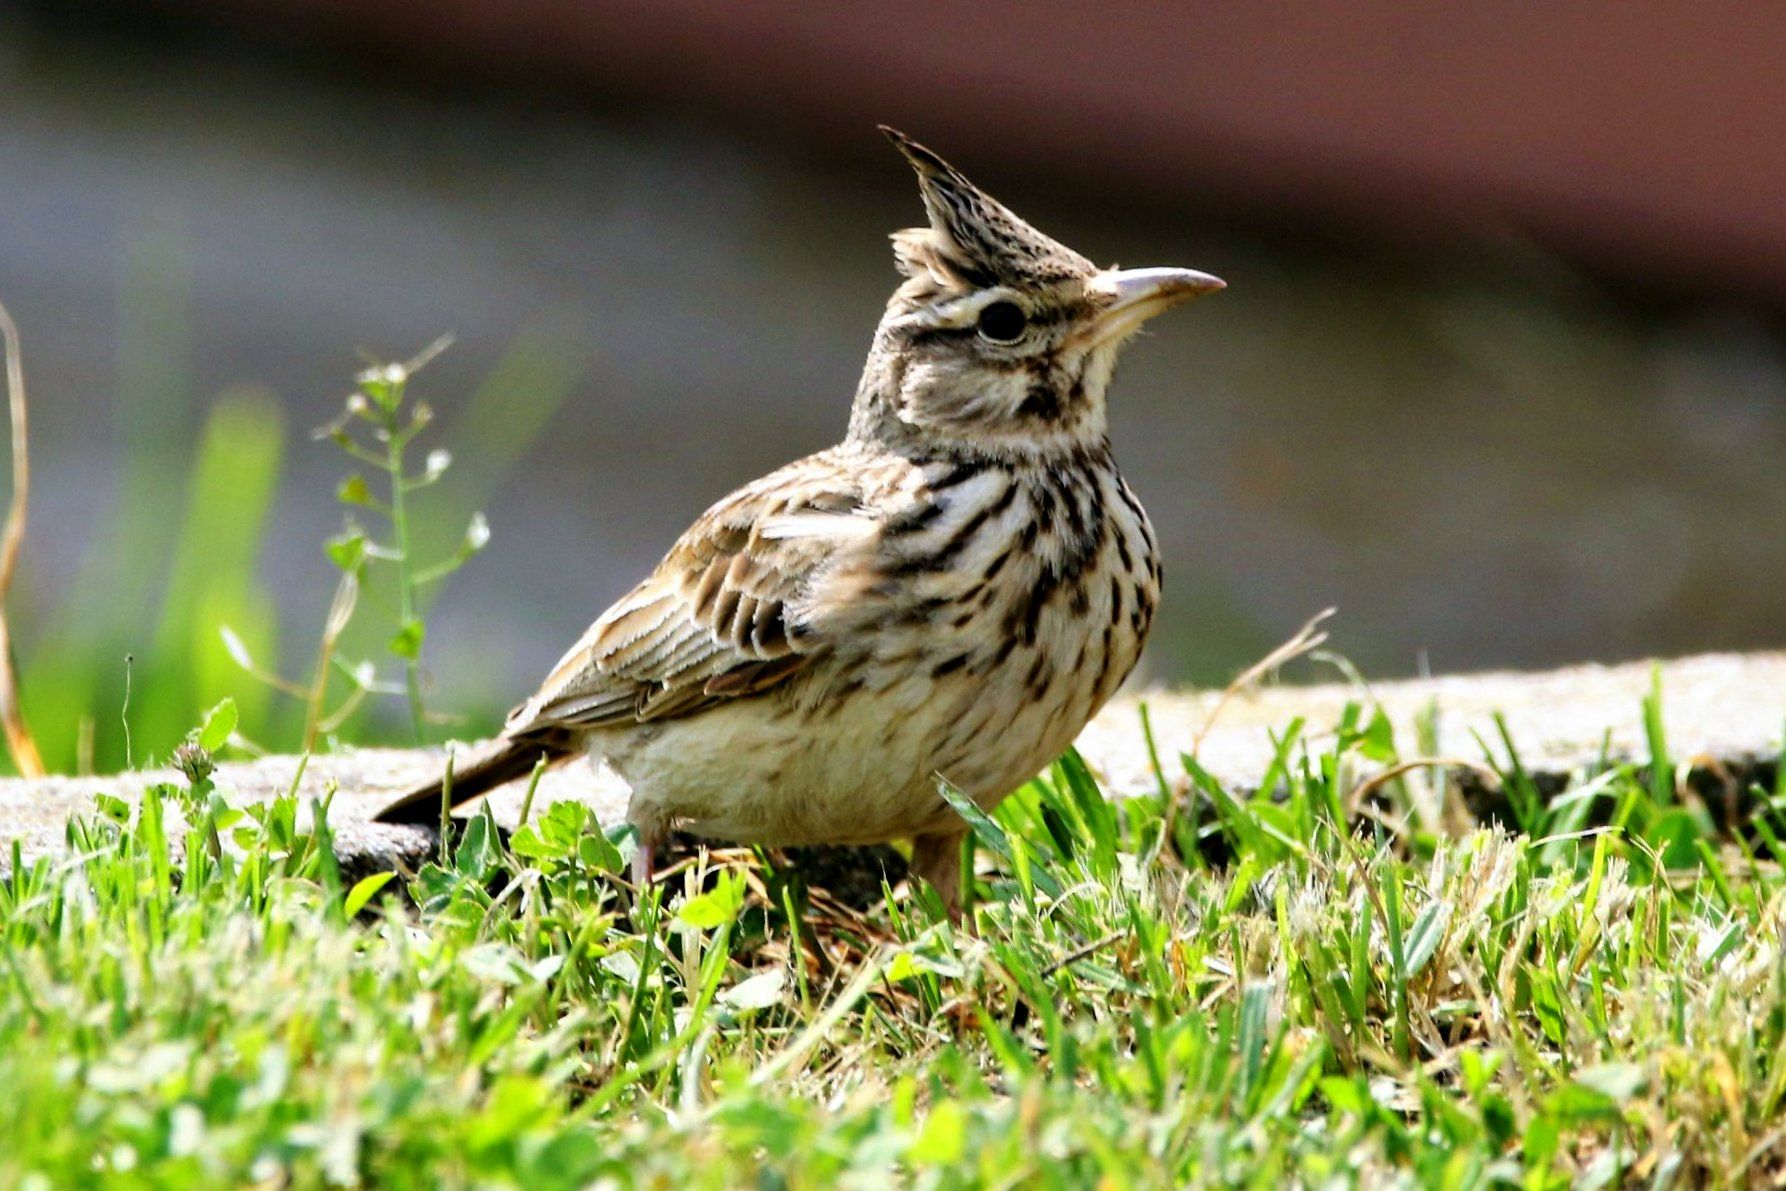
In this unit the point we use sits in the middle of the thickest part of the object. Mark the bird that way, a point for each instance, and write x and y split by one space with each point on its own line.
947 595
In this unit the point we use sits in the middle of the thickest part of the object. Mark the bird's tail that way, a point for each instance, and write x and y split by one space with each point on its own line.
491 765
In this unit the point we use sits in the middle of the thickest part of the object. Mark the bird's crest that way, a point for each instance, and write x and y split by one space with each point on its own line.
973 240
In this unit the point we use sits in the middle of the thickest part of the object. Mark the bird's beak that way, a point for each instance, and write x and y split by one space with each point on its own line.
1129 297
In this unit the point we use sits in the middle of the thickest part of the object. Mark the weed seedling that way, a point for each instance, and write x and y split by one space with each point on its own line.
377 427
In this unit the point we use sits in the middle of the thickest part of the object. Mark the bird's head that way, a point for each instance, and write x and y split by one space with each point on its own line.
1001 341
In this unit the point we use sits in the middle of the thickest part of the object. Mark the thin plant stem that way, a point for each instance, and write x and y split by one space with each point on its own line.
124 712
340 612
395 441
533 785
1310 636
12 716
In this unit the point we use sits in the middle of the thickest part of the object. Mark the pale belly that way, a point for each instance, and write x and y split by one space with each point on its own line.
830 761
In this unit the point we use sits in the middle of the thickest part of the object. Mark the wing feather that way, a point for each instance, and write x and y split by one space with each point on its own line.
722 616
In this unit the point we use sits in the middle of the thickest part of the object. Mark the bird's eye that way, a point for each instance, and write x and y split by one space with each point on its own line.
1002 322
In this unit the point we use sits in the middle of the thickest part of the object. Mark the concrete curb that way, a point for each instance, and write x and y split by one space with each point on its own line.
1724 717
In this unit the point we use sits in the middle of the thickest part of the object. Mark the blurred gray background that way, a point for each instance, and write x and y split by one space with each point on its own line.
1501 372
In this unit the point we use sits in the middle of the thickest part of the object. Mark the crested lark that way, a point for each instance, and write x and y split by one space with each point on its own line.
951 592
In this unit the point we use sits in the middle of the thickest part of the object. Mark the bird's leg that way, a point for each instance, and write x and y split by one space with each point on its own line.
643 868
649 832
936 859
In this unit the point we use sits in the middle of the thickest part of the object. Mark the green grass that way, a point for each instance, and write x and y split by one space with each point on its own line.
1585 1005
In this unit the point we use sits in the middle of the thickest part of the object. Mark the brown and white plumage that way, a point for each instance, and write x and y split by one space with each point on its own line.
950 592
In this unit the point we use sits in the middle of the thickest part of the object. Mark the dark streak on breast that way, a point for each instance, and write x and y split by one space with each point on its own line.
948 665
1041 402
965 535
1078 599
1006 645
1026 615
1099 693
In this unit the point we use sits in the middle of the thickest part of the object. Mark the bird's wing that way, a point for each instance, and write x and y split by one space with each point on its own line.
721 616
